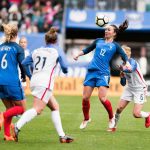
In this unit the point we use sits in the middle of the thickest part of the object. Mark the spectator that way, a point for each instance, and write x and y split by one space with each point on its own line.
143 61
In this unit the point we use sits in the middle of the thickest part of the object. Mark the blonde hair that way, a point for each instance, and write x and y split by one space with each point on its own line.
51 35
10 31
22 38
126 49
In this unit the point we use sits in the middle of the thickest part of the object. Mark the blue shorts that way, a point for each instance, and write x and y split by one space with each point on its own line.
11 92
94 79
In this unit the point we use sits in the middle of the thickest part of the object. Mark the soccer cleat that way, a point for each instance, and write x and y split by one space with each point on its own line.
111 126
147 122
65 139
15 132
1 120
84 123
8 138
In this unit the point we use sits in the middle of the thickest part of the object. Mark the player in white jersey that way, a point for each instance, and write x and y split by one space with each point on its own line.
44 62
135 91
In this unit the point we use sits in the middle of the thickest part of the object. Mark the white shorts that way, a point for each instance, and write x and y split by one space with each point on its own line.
42 93
131 95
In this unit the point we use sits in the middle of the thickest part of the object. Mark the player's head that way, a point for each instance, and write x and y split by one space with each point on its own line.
51 36
111 31
127 50
23 42
11 31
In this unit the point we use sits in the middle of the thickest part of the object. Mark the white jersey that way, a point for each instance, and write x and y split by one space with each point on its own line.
135 79
44 61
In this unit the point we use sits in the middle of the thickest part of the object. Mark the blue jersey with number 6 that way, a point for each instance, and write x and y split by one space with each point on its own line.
104 52
10 55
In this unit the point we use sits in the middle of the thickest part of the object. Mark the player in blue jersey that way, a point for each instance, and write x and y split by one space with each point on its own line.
11 92
45 60
135 90
98 72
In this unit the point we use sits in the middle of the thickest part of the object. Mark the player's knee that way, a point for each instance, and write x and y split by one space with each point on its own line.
102 99
55 107
136 114
86 97
39 110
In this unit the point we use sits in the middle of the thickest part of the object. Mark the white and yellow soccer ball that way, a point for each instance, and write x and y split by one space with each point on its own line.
101 20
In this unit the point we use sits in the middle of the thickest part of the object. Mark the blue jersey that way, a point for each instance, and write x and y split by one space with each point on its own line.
104 53
11 54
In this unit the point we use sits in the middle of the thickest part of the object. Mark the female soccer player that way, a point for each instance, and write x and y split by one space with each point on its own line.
11 92
23 43
44 60
98 72
134 91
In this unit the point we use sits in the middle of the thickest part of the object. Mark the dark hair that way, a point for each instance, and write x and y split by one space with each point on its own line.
51 35
121 28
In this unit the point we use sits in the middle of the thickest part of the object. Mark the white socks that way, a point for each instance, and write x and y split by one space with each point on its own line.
31 113
144 114
26 117
57 122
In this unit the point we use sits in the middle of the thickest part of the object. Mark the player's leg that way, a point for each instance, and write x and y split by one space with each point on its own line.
139 99
39 103
56 119
27 116
102 92
126 97
15 95
8 104
55 115
121 106
87 91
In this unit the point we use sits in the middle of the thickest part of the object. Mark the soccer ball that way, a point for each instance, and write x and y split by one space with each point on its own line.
101 21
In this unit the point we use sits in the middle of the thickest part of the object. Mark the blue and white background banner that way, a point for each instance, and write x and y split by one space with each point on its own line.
85 19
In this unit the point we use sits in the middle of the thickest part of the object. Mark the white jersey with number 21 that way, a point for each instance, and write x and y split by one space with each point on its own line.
45 61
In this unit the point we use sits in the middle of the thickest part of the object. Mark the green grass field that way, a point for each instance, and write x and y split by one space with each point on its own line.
40 133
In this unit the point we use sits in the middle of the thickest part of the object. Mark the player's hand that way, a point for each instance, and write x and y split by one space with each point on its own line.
76 57
121 74
127 66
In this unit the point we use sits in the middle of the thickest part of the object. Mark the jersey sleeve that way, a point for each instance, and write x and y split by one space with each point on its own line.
121 52
20 54
20 58
90 48
27 64
133 64
62 60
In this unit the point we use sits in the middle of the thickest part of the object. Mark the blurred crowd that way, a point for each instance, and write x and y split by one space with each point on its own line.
32 16
137 5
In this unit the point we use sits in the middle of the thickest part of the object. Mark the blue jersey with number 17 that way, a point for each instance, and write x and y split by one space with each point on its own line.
104 52
10 55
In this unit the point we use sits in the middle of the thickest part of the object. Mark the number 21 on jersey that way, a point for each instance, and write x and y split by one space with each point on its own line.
40 62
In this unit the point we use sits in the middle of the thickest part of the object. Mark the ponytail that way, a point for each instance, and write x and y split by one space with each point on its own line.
123 26
10 31
51 35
